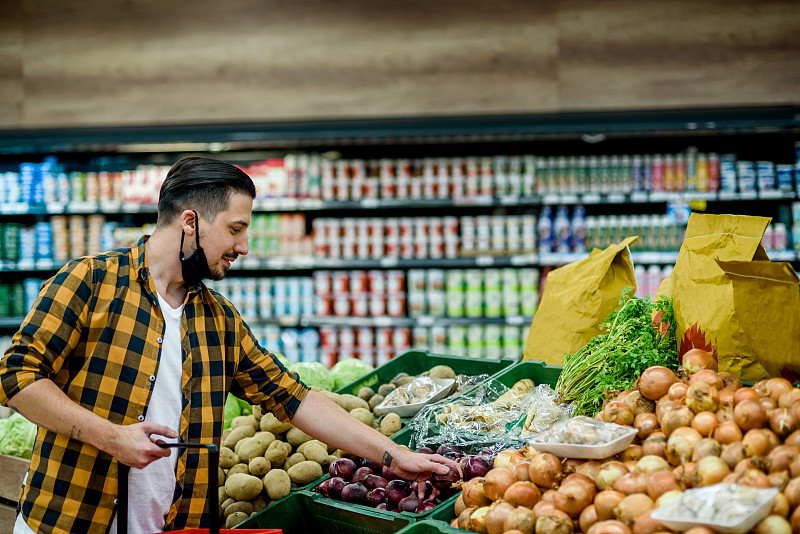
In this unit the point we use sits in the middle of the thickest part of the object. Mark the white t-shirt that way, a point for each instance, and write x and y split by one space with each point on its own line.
150 490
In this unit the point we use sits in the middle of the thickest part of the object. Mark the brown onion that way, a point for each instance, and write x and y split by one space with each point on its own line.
548 496
724 414
700 397
522 493
521 519
656 381
780 458
587 518
573 497
794 520
730 382
459 505
630 465
545 470
779 479
745 464
773 524
733 453
507 458
661 482
631 483
655 445
605 502
617 412
755 443
794 467
685 473
477 521
571 464
775 387
726 398
792 492
788 398
608 474
696 359
543 506
705 423
744 393
639 404
768 404
710 470
632 507
783 422
651 464
760 387
749 414
463 518
664 407
728 432
623 395
521 470
474 494
682 417
668 496
554 522
496 517
706 447
497 481
645 524
754 478
699 530
611 526
706 376
677 391
646 424
632 452
780 506
681 444
589 469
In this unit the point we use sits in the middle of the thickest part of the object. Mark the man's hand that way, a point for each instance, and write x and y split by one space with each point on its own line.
133 446
419 467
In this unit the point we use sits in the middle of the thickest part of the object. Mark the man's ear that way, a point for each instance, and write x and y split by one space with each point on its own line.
188 221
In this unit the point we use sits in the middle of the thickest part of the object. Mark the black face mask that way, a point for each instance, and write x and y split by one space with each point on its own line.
195 267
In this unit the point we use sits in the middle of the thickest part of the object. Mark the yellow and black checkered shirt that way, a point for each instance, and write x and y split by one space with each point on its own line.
96 331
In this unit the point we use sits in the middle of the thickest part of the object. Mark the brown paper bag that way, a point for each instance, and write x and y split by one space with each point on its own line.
577 298
702 293
766 299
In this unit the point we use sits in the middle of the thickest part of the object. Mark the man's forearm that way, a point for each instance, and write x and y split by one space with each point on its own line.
322 418
46 405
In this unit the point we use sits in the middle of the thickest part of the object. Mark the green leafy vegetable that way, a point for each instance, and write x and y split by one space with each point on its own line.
233 408
639 334
17 436
349 370
314 374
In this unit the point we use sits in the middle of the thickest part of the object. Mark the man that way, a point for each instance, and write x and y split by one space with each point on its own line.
129 346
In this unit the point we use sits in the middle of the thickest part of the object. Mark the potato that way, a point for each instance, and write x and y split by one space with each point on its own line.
365 393
276 453
385 389
404 380
227 502
257 412
259 503
225 434
259 466
223 495
250 448
375 401
302 447
235 518
335 397
244 420
264 437
391 424
221 475
292 460
239 506
238 434
227 458
238 468
316 453
442 371
243 487
304 472
295 437
354 402
363 415
277 484
270 423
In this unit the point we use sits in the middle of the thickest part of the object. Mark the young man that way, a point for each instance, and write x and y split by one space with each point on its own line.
130 346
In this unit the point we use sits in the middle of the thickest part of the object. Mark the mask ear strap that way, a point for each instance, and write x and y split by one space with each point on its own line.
196 227
181 250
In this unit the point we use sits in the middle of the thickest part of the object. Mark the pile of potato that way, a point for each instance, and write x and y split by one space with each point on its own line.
262 459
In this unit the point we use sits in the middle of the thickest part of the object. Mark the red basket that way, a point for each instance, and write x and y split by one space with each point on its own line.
213 497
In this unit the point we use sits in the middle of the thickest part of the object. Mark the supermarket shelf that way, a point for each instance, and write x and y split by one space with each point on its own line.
308 204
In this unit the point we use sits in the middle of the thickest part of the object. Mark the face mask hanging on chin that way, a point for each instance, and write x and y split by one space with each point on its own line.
195 267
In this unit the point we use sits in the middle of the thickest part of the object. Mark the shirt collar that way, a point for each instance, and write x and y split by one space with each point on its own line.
139 263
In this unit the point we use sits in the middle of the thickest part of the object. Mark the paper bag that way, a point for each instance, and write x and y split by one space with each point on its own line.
766 299
702 293
577 298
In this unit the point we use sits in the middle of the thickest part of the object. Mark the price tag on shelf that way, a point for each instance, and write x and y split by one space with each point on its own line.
770 195
748 195
25 264
515 320
425 320
727 195
551 199
638 196
591 198
54 207
370 203
616 198
110 206
508 200
484 261
389 262
250 263
569 199
523 259
383 322
44 263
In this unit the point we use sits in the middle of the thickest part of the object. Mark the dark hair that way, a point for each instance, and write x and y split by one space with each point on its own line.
203 184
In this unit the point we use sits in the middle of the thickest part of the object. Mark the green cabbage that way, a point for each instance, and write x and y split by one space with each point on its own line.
17 436
314 374
283 359
349 370
233 408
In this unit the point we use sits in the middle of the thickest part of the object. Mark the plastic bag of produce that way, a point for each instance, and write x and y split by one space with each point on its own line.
715 308
577 299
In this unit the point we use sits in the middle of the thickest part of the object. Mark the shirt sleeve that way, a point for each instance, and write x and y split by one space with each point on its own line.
263 380
50 331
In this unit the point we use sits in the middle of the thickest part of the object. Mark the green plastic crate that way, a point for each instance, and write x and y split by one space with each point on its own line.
445 513
303 512
538 371
429 527
415 362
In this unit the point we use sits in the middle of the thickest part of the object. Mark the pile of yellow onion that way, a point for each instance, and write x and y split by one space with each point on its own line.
695 430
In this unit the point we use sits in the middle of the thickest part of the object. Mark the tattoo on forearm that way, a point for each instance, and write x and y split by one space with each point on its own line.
75 433
387 459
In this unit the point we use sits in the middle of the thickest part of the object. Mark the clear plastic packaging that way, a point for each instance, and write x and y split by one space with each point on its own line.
409 398
724 508
490 415
584 437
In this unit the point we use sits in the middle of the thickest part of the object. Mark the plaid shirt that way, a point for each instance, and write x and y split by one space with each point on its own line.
95 330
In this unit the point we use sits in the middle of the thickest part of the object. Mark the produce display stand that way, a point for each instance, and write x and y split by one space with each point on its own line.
12 472
304 511
415 362
429 527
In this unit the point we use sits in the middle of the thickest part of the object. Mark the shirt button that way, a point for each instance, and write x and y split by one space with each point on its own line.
160 340
152 378
140 418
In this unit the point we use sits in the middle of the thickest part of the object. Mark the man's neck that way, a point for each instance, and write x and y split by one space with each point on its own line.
165 268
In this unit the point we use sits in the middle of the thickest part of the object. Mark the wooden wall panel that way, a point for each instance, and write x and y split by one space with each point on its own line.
119 62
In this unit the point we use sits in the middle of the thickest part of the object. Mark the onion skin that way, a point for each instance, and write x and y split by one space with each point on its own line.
685 473
682 417
710 470
677 391
638 403
632 507
631 483
749 415
788 398
743 394
726 398
496 517
792 492
632 452
730 382
697 359
587 518
522 520
652 464
521 470
775 387
605 502
545 470
661 482
706 447
554 522
612 526
523 493
706 376
773 524
728 432
701 397
656 381
496 482
589 469
609 473
794 520
733 453
781 457
573 497
724 414
463 518
474 494
645 424
617 412
644 524
680 445
655 445
705 423
756 443
780 506
783 422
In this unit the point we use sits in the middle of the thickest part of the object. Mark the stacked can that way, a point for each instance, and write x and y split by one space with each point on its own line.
648 279
426 292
